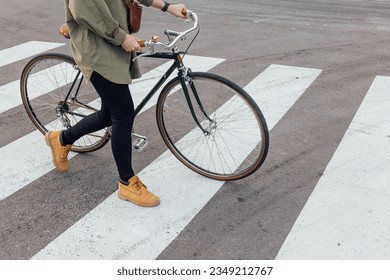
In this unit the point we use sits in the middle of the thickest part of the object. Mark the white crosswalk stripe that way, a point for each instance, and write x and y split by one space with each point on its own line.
153 229
347 215
25 50
10 93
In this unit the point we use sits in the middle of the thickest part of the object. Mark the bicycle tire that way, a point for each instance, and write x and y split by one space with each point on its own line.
45 81
238 139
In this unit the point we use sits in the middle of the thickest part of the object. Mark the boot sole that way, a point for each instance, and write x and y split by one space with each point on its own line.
137 203
47 140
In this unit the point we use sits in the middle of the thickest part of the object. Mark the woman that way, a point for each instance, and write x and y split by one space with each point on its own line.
103 49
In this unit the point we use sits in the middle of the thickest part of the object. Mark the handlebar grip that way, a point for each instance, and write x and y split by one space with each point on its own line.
144 43
184 12
141 43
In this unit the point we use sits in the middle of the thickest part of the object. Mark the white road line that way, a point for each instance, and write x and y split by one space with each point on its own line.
10 93
10 96
347 215
120 230
25 50
28 158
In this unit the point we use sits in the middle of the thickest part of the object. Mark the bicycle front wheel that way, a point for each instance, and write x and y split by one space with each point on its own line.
225 137
56 98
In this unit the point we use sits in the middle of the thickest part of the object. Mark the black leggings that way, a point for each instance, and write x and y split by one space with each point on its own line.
117 111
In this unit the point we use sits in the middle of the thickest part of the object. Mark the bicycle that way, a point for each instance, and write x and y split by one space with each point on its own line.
208 122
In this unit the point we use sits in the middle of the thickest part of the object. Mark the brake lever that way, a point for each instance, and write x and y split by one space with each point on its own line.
148 44
143 54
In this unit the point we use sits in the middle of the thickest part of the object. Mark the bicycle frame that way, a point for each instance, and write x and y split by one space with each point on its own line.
176 65
182 72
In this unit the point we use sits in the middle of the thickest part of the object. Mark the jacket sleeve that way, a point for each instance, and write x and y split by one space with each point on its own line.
95 15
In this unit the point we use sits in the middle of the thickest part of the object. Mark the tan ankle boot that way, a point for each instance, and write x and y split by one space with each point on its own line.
137 193
58 152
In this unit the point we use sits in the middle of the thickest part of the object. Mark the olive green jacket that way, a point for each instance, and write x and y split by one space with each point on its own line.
97 29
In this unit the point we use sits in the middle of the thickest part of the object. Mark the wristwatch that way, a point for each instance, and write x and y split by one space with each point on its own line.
166 5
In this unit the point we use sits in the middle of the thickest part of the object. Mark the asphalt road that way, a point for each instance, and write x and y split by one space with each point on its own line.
246 219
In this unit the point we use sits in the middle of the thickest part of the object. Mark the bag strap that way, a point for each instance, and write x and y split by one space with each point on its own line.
129 3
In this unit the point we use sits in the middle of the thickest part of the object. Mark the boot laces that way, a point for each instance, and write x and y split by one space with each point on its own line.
64 151
138 185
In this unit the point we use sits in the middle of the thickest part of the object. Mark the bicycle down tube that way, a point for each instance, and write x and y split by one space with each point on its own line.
178 64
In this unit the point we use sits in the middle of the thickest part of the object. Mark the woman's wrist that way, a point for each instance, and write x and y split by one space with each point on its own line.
159 4
174 9
166 6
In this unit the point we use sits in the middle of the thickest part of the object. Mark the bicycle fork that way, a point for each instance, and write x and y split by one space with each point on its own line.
139 142
212 123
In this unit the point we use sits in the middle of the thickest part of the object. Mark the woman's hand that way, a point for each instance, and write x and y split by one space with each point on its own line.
131 44
176 9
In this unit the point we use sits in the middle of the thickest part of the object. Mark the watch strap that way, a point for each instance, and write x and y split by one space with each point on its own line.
165 8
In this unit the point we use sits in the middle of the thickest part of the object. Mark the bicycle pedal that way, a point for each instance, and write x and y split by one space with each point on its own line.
139 144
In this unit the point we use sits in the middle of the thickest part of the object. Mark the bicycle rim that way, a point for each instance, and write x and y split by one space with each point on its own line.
236 144
45 83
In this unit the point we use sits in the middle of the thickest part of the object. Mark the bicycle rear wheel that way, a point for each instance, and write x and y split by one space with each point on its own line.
234 141
56 98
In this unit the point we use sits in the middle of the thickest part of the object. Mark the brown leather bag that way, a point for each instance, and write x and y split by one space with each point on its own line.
134 13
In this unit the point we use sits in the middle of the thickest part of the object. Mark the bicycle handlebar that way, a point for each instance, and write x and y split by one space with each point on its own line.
179 35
